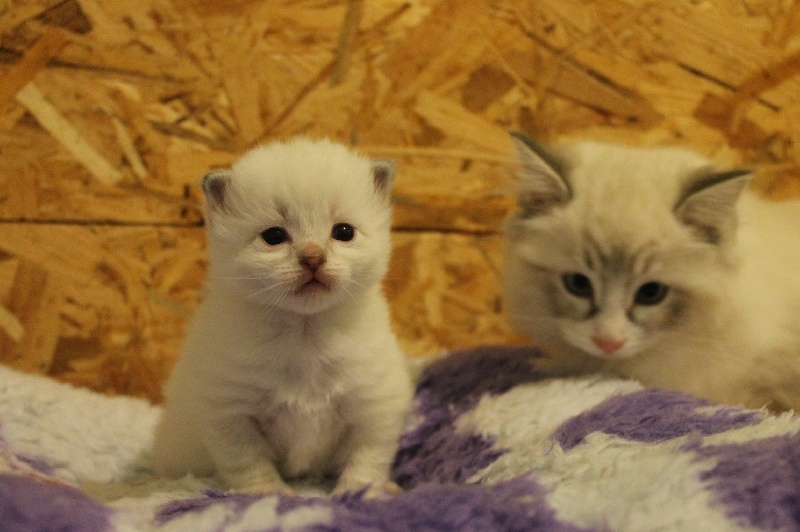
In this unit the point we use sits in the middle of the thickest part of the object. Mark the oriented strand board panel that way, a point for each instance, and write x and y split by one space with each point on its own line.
117 308
110 111
128 103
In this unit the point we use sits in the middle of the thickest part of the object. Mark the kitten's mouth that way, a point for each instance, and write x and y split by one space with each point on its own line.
313 283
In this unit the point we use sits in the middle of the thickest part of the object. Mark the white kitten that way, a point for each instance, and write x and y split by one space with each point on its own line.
650 264
291 368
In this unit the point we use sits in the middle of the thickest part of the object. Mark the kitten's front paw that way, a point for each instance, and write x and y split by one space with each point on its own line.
259 480
373 489
392 488
266 488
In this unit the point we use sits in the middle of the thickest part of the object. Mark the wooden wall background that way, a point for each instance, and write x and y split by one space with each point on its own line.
110 111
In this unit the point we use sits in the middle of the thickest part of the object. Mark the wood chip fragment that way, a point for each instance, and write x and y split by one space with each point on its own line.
46 48
58 126
11 325
34 303
129 149
347 37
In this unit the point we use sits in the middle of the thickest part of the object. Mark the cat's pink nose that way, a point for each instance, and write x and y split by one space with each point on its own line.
608 345
312 257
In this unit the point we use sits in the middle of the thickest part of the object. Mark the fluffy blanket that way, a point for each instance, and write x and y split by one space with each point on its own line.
490 446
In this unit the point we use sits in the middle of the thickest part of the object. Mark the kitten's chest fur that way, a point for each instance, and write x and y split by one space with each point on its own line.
305 368
302 422
273 358
299 404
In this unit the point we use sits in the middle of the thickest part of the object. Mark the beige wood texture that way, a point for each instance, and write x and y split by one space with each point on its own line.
110 111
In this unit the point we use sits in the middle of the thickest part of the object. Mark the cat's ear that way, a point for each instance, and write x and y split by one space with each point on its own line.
708 206
543 184
216 185
383 171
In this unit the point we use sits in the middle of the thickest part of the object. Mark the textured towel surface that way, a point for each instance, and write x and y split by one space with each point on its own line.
490 446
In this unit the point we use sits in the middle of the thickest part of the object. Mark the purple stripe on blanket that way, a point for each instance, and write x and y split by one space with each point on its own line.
518 504
37 463
174 509
758 482
30 504
651 416
435 451
288 503
237 503
465 376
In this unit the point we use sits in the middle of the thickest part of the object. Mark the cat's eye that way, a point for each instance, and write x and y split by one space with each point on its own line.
651 293
578 285
274 236
343 232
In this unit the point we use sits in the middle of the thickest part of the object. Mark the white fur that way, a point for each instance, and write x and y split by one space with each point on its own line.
735 333
276 382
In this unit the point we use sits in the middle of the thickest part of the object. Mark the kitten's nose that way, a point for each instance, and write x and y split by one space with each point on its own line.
312 257
608 345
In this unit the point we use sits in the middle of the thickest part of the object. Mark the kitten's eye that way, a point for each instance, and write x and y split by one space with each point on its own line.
274 236
343 232
651 293
578 284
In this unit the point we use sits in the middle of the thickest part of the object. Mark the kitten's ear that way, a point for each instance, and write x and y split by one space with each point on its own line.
709 204
543 184
383 171
216 185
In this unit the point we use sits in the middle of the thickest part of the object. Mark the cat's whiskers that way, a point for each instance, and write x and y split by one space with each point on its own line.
349 293
361 285
285 283
281 297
